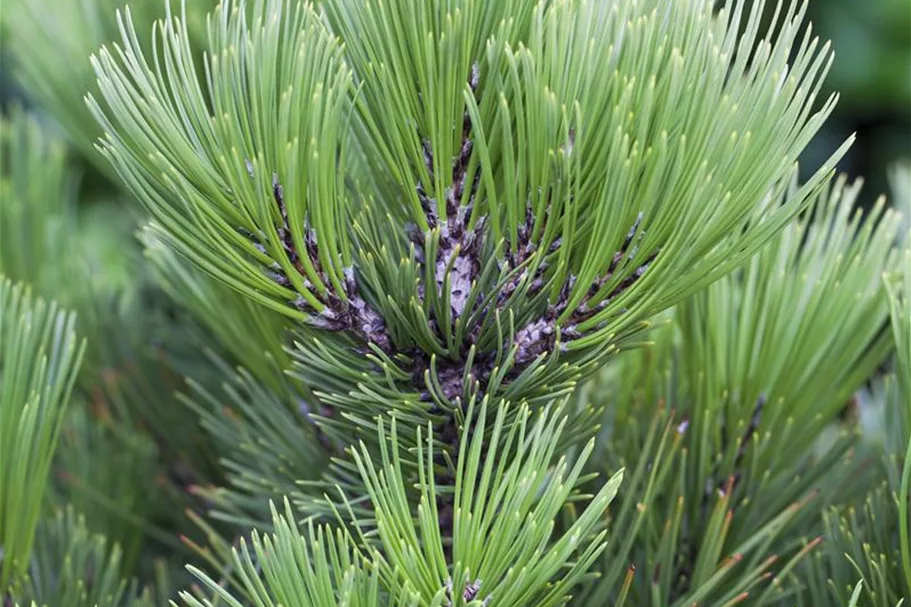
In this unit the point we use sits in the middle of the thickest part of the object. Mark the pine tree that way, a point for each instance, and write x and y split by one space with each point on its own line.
469 303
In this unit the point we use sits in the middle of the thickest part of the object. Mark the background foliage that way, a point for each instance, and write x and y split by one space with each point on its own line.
752 472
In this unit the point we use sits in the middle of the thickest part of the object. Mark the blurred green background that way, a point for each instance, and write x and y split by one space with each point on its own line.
872 71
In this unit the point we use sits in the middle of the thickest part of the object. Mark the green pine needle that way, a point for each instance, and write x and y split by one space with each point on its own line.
454 194
39 358
727 422
74 30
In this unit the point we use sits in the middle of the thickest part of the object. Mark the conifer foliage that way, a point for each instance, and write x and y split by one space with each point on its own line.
444 303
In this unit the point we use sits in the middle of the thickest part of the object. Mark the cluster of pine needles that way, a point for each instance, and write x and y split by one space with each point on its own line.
443 303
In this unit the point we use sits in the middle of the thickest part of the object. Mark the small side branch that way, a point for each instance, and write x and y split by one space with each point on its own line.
347 311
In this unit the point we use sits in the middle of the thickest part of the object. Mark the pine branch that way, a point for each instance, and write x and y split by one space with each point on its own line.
74 567
511 472
458 213
316 568
402 555
122 441
723 423
40 357
277 214
870 540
